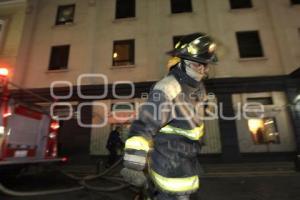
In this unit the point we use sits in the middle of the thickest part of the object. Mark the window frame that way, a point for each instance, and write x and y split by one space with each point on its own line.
175 10
51 64
234 6
266 139
244 54
128 14
264 100
60 9
131 57
267 101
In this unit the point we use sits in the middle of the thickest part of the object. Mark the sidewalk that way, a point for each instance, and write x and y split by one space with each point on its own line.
239 181
213 170
248 169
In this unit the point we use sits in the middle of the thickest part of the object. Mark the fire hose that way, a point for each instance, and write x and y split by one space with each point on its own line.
82 181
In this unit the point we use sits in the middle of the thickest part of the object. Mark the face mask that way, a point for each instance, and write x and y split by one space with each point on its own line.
191 72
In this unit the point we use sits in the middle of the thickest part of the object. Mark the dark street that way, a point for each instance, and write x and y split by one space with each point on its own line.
241 185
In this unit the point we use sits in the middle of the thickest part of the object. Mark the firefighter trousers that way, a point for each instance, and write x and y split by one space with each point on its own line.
174 170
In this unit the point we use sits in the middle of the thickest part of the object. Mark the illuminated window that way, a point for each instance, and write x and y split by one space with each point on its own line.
249 44
59 57
125 8
264 131
237 4
65 14
123 53
122 106
180 6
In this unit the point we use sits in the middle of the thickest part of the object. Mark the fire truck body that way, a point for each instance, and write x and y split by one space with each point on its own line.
26 136
27 133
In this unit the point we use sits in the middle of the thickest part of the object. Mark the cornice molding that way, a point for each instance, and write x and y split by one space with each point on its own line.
11 2
218 86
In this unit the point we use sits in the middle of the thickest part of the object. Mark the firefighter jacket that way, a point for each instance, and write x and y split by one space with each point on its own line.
170 126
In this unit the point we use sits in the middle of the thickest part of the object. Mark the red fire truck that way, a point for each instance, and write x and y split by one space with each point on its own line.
28 134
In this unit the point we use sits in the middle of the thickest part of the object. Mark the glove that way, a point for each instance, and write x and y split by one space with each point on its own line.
135 160
134 177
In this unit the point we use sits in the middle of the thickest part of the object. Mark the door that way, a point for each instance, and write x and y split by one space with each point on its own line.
73 139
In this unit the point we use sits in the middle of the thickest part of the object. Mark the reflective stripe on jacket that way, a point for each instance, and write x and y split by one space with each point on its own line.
137 143
193 134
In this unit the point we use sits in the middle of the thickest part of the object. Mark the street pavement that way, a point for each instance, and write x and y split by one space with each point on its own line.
218 182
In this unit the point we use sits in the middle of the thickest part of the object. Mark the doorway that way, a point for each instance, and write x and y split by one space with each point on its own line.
73 139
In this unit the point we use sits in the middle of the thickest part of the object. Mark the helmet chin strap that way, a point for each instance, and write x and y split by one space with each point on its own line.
182 66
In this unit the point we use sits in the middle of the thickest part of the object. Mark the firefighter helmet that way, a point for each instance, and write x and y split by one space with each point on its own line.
197 47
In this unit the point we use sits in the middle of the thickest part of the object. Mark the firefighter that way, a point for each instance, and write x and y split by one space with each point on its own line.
114 143
166 137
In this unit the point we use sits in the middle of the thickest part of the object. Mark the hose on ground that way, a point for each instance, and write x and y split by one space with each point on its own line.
104 189
91 177
7 191
81 182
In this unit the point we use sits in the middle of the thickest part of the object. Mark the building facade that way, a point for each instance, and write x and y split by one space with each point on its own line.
86 54
12 19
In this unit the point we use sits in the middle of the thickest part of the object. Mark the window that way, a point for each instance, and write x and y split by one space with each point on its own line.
180 6
293 2
125 8
249 44
261 100
123 52
64 112
65 14
237 4
122 106
122 113
176 39
59 57
264 131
